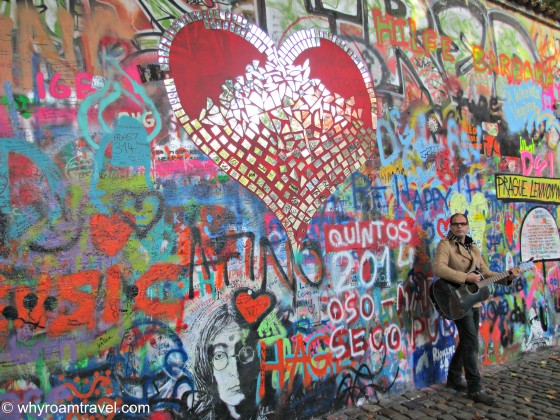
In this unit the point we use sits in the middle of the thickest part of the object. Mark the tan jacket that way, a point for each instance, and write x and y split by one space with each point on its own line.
453 261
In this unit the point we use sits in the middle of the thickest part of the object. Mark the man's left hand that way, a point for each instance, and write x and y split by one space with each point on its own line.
514 273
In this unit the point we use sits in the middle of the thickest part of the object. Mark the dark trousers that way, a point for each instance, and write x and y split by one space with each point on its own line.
466 354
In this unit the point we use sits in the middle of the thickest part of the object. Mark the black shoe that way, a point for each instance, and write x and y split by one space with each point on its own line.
457 387
481 397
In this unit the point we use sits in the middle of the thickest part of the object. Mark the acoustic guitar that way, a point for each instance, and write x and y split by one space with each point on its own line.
453 300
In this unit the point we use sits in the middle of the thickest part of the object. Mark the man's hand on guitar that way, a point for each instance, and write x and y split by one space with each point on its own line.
514 273
453 301
473 278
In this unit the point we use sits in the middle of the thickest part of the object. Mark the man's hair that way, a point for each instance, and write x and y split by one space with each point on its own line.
458 214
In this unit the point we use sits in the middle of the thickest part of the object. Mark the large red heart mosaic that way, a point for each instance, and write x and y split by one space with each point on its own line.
289 124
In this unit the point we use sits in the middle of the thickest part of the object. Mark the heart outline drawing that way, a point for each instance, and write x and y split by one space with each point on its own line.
285 123
138 200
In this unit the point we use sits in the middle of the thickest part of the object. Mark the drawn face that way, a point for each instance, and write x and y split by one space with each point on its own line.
129 337
229 355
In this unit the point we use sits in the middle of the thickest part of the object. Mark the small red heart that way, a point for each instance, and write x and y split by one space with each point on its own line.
253 306
109 234
442 227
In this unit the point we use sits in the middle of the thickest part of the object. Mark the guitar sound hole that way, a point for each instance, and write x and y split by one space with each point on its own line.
472 288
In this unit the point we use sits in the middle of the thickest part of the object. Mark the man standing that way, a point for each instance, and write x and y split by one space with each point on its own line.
456 255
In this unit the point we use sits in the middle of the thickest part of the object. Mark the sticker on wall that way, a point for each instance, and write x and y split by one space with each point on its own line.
150 73
288 124
540 238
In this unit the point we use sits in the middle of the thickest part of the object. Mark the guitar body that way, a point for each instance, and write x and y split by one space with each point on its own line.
453 300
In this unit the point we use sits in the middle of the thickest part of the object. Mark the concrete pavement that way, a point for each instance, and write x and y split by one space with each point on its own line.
527 388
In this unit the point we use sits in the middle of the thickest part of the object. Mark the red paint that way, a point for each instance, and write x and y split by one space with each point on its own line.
301 359
78 293
109 234
442 227
113 280
203 58
25 184
59 90
100 381
253 306
45 116
153 306
76 302
4 294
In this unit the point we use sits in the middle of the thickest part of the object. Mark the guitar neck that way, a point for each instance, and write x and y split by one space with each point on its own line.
493 279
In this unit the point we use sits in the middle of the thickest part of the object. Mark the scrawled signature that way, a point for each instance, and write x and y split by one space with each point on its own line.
208 3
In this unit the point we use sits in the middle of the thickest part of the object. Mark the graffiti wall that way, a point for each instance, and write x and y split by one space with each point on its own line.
229 209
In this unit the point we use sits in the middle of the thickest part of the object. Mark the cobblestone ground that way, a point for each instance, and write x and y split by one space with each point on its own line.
527 388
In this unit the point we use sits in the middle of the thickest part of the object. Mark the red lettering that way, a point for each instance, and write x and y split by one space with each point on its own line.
320 362
299 360
111 310
446 49
351 309
83 85
394 338
367 307
429 39
158 307
58 91
268 366
478 56
335 310
505 69
75 306
376 341
493 67
357 342
517 69
383 27
41 86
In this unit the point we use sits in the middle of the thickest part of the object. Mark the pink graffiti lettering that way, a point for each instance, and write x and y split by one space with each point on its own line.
530 164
